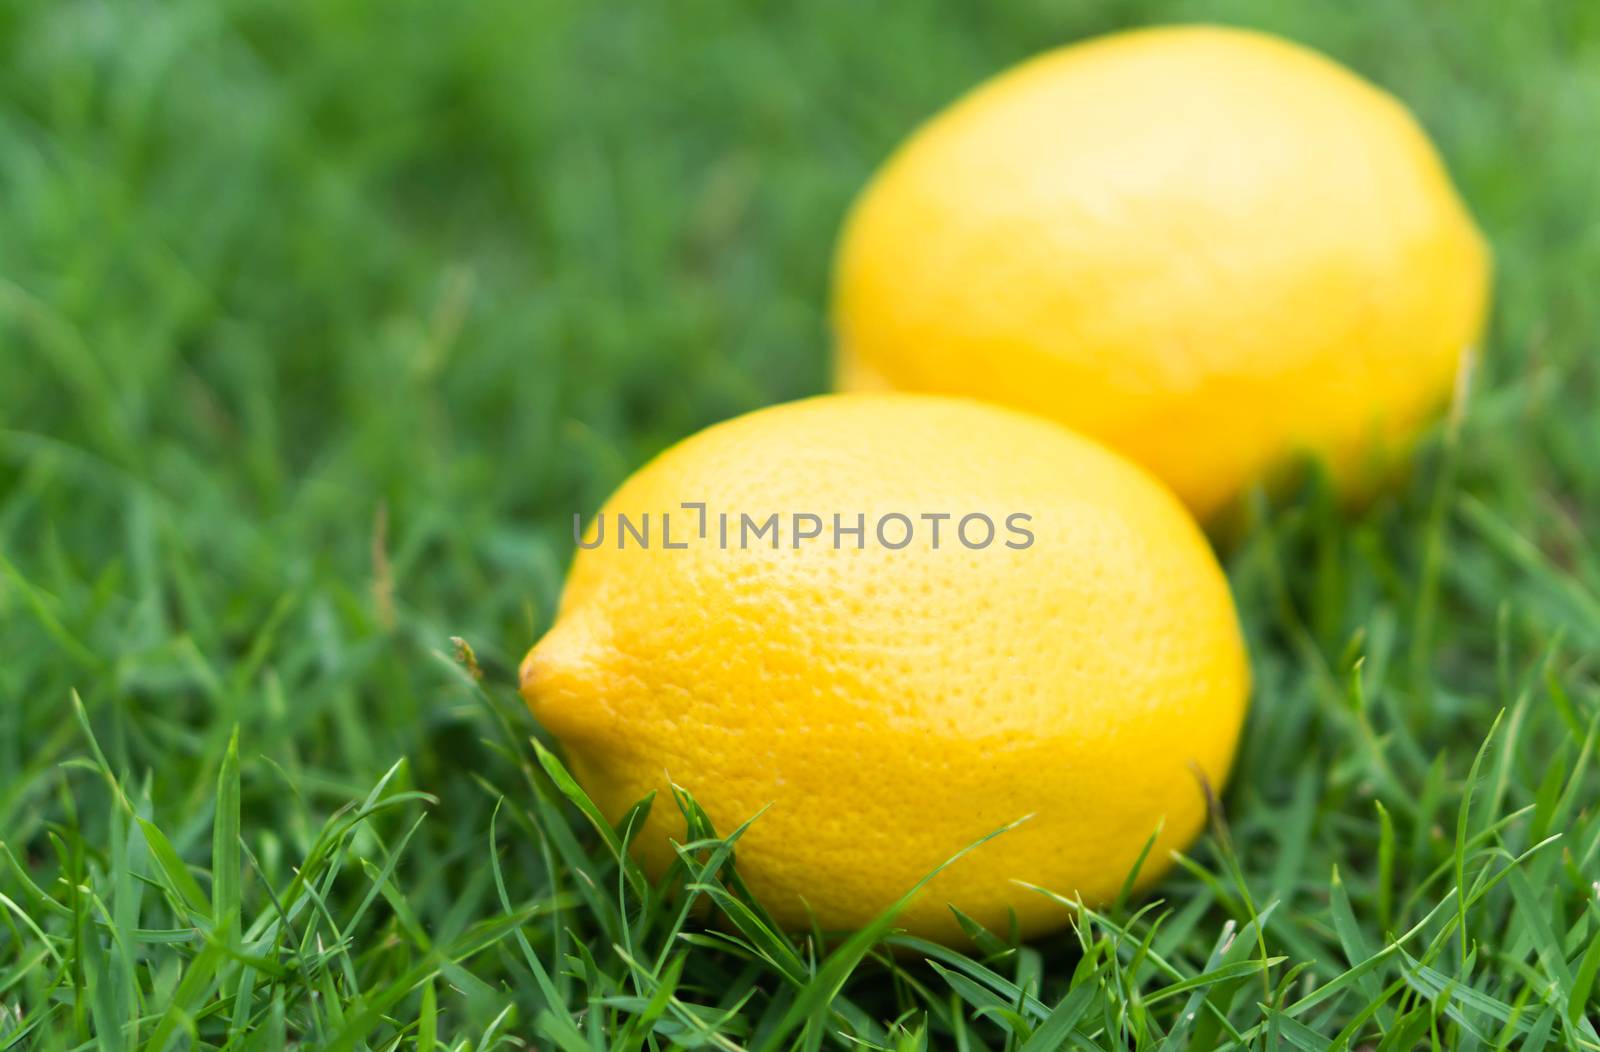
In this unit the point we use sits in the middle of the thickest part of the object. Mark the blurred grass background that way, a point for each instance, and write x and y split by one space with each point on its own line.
319 320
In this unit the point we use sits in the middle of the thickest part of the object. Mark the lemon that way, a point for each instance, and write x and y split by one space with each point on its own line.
1215 251
884 677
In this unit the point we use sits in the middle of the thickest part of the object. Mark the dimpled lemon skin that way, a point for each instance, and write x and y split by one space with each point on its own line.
1214 251
889 707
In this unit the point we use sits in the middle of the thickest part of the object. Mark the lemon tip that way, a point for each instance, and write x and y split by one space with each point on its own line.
527 675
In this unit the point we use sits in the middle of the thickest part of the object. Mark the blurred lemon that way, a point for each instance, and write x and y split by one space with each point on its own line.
1211 249
896 693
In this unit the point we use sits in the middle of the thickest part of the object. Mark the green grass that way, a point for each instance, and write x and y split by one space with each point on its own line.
317 321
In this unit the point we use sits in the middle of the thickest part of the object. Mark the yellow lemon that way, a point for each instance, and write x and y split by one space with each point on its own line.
897 623
1213 250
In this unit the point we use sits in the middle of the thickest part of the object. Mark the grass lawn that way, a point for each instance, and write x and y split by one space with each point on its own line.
319 318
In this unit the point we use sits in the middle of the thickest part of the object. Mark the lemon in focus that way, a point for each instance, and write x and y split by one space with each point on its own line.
1213 250
891 696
